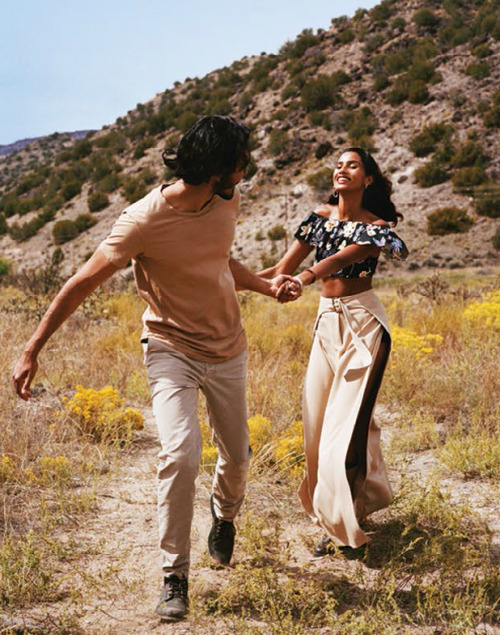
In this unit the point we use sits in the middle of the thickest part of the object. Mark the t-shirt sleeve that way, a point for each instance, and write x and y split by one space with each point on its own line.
384 237
306 231
123 242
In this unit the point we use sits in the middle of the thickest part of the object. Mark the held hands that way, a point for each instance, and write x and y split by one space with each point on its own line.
285 288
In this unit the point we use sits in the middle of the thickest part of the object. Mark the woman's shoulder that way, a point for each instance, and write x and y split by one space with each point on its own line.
326 211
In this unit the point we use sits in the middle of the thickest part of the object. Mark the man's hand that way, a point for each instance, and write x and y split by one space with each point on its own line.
285 288
23 374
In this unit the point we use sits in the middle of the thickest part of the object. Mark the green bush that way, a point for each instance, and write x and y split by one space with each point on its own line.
142 146
380 82
417 92
3 225
496 239
278 232
468 154
84 222
429 174
478 70
321 180
487 202
346 35
425 18
482 51
278 142
71 189
491 116
360 125
425 142
321 92
448 220
4 267
63 231
466 178
299 46
97 201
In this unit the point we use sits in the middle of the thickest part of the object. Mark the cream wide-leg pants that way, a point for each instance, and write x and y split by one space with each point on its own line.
175 381
348 356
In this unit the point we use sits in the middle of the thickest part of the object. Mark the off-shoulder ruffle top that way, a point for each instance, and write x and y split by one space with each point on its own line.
331 236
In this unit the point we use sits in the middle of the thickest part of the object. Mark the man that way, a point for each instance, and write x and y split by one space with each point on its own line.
179 238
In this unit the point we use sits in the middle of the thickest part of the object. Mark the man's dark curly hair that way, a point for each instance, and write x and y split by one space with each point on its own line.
377 196
214 145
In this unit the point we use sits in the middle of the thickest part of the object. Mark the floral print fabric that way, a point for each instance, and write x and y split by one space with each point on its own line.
331 236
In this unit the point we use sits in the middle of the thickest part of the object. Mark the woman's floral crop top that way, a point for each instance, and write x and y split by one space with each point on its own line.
331 236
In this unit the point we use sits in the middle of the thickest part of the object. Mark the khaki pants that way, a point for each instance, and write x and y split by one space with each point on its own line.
175 380
345 472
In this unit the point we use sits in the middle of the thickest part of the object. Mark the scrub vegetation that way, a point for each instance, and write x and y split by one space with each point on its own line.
431 565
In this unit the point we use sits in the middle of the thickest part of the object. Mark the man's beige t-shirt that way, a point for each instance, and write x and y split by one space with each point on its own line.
181 268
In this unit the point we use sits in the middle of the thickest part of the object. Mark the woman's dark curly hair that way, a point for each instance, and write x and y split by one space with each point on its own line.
214 145
377 195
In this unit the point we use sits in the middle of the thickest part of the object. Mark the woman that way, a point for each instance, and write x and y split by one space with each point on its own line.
345 473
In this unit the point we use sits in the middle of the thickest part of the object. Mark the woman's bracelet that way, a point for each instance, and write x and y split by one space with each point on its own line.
299 281
312 273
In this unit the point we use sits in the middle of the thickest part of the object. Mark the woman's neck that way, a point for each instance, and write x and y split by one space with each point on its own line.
350 205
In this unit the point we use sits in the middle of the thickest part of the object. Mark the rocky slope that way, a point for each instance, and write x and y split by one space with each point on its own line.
378 80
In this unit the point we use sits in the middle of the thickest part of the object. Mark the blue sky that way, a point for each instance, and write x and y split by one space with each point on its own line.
74 65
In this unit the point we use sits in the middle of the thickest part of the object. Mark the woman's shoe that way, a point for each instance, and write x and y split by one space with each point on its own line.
324 547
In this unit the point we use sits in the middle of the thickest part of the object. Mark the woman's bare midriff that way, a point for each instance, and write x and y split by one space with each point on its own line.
340 287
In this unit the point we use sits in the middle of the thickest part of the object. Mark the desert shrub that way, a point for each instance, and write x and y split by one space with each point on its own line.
448 220
108 184
97 201
71 189
373 43
278 142
482 51
468 154
186 120
478 70
429 174
297 47
289 91
425 142
491 116
3 225
399 92
317 118
81 149
320 93
346 35
425 18
495 241
63 231
380 82
102 415
142 146
467 178
321 180
115 141
487 202
360 124
4 267
84 222
278 232
417 92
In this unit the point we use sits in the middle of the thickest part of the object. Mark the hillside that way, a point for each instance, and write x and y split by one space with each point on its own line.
414 82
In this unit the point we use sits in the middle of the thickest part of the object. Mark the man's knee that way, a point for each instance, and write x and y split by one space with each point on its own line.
179 463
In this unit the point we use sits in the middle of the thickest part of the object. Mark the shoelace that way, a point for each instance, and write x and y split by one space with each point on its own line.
177 588
222 528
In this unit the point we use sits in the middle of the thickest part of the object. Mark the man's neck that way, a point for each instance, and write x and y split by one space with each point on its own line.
188 198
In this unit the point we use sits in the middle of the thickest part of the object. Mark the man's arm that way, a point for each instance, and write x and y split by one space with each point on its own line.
93 273
247 280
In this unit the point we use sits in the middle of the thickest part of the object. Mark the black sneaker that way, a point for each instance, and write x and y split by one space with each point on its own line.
324 547
173 604
220 538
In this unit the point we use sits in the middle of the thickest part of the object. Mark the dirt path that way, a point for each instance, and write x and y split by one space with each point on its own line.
118 573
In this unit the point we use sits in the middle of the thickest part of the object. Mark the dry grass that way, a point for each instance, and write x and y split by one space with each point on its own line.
430 565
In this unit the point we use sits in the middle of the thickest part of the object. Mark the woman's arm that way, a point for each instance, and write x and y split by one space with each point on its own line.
332 264
290 261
